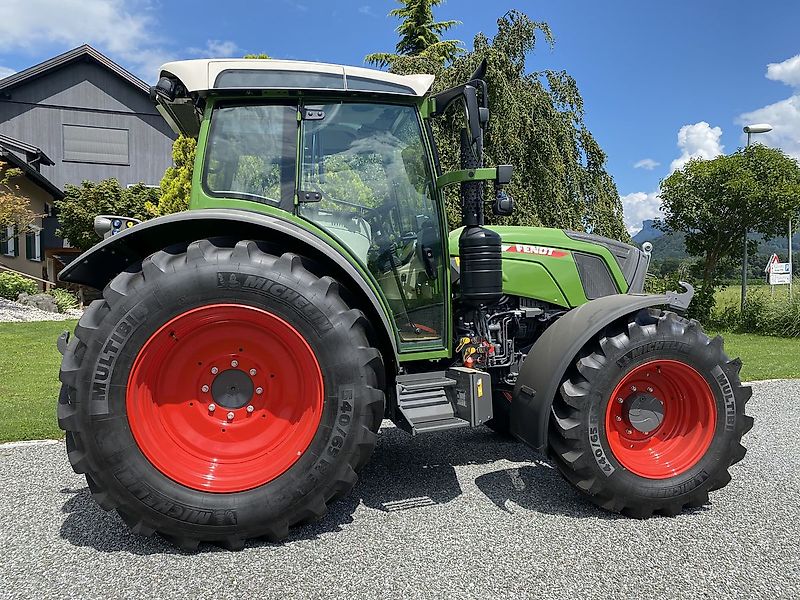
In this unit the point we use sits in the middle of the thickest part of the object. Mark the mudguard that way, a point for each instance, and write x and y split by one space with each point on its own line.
552 354
101 263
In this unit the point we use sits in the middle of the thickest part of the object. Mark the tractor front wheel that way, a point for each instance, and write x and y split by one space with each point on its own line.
218 393
650 417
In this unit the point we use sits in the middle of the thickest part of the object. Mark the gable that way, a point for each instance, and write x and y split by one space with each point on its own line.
83 84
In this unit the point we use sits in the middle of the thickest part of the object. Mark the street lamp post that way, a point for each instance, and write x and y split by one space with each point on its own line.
749 130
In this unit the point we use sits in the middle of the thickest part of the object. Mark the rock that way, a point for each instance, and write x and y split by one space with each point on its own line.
43 302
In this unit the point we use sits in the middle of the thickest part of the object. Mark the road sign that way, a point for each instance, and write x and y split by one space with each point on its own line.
772 260
780 274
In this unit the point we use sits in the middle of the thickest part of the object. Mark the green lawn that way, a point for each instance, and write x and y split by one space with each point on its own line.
29 379
29 373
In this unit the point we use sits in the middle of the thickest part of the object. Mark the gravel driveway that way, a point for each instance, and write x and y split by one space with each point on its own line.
459 514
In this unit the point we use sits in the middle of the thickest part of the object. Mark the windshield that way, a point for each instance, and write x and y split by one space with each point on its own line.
251 153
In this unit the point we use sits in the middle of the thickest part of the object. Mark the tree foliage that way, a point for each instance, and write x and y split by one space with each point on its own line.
15 208
537 125
716 202
81 204
259 55
420 35
176 185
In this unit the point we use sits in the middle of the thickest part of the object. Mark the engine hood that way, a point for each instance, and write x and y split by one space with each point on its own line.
553 248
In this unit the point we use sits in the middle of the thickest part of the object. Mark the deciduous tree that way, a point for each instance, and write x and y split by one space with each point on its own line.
81 204
717 202
15 210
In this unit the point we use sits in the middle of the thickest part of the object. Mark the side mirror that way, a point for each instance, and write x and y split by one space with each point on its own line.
503 205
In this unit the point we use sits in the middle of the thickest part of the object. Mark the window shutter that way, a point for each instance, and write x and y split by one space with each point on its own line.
29 251
15 241
3 244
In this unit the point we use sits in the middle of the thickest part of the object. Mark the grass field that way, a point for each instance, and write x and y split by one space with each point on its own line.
29 379
731 295
29 373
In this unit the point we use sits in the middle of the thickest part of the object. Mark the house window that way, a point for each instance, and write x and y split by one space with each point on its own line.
8 243
33 244
95 145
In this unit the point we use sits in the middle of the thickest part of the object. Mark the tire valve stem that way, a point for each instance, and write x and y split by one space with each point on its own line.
212 407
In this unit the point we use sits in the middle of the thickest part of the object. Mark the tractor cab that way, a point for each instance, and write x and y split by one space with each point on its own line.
346 150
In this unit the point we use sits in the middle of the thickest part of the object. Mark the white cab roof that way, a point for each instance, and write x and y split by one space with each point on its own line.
228 74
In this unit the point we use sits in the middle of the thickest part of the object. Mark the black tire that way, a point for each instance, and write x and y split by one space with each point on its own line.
99 440
578 440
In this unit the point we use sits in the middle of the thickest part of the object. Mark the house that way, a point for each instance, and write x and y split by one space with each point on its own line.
88 119
24 252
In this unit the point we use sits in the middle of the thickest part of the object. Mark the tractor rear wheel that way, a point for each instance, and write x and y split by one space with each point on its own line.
217 394
650 417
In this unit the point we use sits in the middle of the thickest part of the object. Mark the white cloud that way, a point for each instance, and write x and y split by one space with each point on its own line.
784 115
698 140
367 10
123 29
5 72
218 49
787 72
639 206
648 164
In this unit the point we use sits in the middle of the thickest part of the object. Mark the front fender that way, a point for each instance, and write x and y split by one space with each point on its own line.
548 360
101 263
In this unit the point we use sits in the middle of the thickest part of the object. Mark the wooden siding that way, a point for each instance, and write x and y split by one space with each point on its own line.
84 93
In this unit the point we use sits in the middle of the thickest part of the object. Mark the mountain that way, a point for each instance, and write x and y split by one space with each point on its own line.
648 232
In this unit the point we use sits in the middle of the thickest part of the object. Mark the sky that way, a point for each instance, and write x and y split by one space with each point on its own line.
662 81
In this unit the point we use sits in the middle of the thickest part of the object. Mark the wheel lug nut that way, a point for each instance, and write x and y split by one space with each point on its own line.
204 388
212 407
234 363
230 416
250 408
633 388
628 431
259 390
650 390
618 418
214 370
620 400
253 372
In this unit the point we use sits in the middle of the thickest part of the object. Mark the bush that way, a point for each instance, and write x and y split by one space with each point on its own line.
65 300
762 315
12 285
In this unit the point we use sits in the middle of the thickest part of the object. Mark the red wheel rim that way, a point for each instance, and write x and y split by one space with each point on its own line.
688 419
260 375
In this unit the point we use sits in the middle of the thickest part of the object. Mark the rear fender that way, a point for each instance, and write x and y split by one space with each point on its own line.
548 360
101 263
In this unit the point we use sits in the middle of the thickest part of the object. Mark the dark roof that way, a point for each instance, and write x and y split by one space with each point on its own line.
70 56
14 144
31 173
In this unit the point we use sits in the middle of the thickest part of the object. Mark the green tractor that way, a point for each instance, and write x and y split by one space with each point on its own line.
231 381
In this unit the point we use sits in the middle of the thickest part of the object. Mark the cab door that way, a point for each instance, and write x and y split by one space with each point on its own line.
366 179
